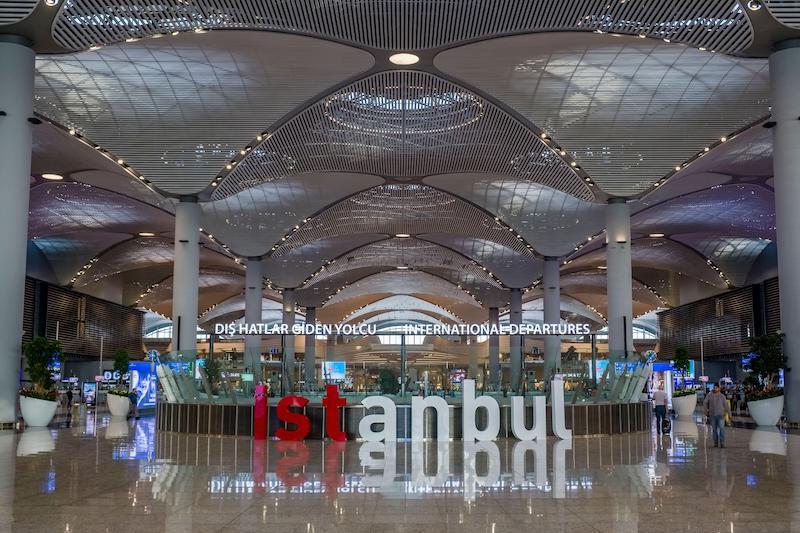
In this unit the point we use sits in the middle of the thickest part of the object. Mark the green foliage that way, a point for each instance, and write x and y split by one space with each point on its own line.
683 392
213 369
768 359
388 381
39 352
681 362
571 354
121 361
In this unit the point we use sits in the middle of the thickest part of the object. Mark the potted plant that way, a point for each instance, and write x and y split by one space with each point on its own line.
213 370
684 400
38 403
765 401
117 398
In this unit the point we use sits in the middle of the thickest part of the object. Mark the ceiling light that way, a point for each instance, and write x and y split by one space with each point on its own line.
723 139
53 177
402 268
146 234
402 235
753 5
656 235
404 59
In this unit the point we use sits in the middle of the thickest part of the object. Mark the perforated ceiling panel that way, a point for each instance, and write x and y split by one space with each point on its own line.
407 124
734 255
68 252
403 24
214 286
785 11
400 303
12 11
394 209
629 110
552 221
253 220
178 108
236 304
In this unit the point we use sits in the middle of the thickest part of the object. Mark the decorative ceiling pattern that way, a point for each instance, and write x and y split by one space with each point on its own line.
402 209
400 303
177 109
627 109
785 11
403 124
15 10
552 221
403 25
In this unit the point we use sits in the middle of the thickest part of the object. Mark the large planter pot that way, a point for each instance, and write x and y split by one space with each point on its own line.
684 405
766 412
118 405
35 441
36 412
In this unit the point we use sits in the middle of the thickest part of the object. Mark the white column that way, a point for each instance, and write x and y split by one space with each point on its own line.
254 288
494 351
619 277
185 275
288 340
310 356
551 282
785 79
16 104
515 317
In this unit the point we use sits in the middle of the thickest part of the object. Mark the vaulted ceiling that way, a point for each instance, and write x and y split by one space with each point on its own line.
429 189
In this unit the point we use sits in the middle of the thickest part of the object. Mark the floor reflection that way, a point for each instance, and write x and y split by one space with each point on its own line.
96 472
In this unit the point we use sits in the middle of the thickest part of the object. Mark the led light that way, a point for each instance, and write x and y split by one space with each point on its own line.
404 59
753 5
656 235
53 177
120 162
723 139
402 268
677 167
146 234
402 235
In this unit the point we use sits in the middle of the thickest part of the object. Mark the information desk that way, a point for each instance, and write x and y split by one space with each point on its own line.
216 419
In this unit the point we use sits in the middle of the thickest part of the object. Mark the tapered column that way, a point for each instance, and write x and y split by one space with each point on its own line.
515 317
494 351
551 281
310 356
619 278
785 79
288 340
185 275
16 104
254 288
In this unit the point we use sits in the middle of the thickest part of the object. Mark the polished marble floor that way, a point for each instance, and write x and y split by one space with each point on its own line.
100 474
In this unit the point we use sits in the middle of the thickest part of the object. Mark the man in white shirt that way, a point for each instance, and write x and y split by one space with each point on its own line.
660 402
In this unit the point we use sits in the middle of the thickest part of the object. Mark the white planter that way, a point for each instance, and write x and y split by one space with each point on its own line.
117 428
34 441
118 405
36 412
766 412
767 440
684 405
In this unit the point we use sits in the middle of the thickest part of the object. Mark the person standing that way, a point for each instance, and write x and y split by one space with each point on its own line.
660 402
716 407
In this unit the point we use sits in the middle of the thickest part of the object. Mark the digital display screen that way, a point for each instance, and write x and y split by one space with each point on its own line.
333 370
144 383
89 392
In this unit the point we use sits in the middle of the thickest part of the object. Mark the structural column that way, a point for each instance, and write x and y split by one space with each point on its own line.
310 356
619 278
16 105
785 80
551 281
494 351
185 275
288 341
254 288
515 317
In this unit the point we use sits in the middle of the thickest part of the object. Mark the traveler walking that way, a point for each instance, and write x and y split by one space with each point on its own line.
716 407
660 402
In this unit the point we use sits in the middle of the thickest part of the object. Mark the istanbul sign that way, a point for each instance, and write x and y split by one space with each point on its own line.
387 419
407 329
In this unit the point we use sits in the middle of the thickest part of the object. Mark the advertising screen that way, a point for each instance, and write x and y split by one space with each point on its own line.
143 382
89 392
333 370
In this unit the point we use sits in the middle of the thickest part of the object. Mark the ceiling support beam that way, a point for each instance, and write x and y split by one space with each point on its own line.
494 351
515 317
551 282
619 278
253 308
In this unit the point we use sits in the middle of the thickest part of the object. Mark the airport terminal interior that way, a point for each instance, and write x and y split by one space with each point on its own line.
307 266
